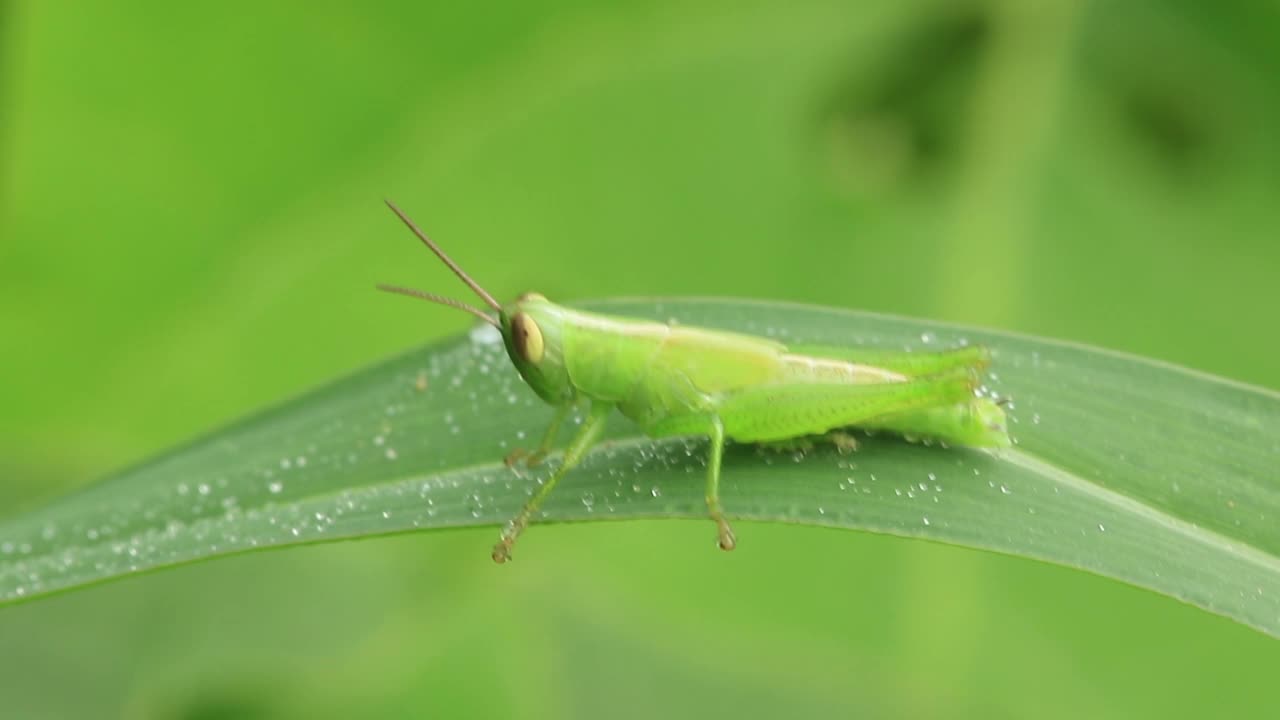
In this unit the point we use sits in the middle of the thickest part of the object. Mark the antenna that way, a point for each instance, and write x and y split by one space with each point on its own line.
437 299
475 286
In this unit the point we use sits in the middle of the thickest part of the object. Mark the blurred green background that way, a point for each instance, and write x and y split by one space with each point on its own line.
190 209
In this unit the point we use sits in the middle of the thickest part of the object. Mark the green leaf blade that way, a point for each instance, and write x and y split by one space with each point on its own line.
1147 473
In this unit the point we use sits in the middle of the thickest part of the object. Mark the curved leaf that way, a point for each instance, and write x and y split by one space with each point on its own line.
1132 469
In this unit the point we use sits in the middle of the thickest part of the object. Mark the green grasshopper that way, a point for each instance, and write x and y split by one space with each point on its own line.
679 380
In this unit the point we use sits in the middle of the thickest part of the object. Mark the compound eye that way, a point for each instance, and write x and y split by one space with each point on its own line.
531 296
527 337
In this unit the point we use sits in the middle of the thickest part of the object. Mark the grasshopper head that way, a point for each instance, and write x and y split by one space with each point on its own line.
531 329
530 326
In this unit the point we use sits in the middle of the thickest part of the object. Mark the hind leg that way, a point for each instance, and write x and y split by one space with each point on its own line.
842 440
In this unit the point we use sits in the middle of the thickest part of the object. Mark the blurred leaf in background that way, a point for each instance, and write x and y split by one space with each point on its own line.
191 228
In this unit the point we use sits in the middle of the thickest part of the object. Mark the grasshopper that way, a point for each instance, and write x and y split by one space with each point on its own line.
680 380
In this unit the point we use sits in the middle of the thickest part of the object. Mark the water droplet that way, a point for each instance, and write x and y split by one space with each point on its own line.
1005 490
391 454
275 487
925 519
485 334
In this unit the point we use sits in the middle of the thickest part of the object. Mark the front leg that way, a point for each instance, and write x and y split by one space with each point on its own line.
582 442
531 459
